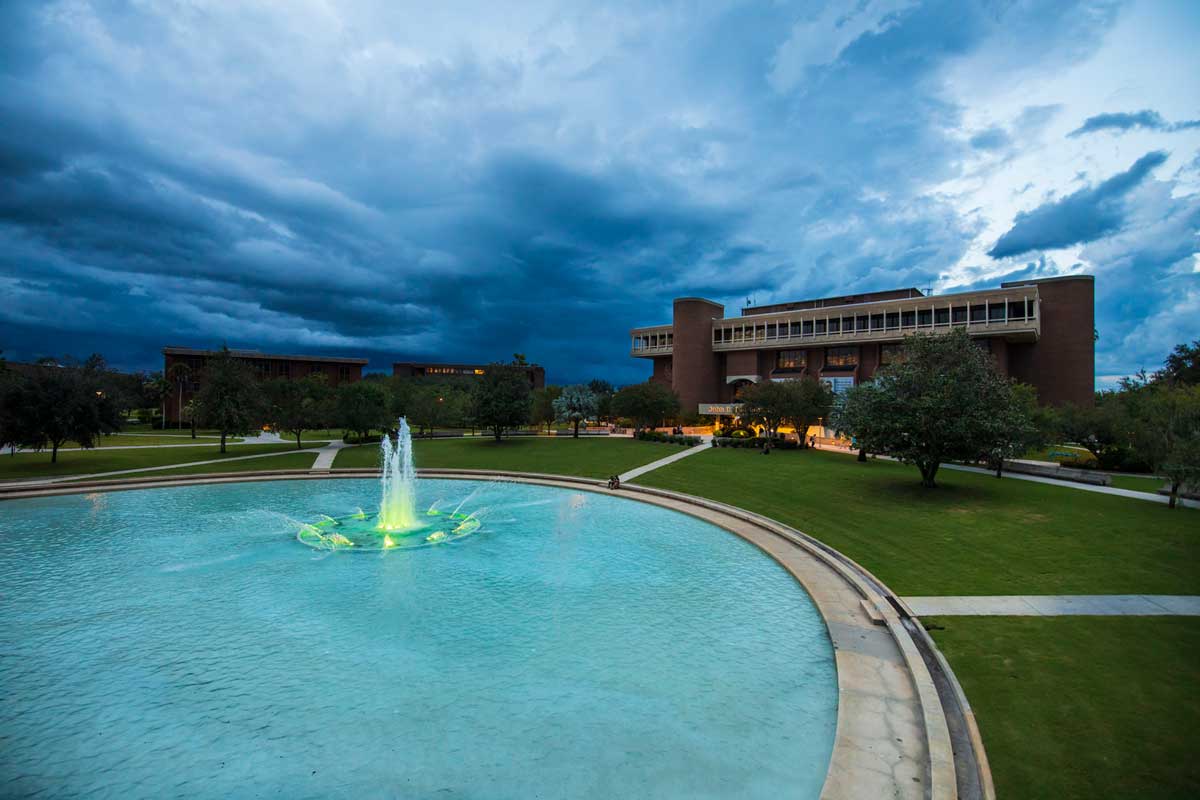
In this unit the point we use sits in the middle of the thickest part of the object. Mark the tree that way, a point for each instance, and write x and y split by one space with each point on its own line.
542 405
293 406
647 404
177 375
1182 367
765 404
363 405
1168 435
1019 426
808 401
60 404
157 389
229 398
936 405
500 398
576 404
190 412
432 404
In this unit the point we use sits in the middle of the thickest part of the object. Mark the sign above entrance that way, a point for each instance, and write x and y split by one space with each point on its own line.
720 409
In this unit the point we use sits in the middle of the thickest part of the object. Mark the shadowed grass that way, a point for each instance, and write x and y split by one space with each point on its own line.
1082 707
974 534
89 462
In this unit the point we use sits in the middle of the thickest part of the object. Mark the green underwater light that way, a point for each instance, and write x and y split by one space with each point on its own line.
362 533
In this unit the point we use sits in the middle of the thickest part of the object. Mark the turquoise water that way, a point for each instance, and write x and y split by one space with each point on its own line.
182 643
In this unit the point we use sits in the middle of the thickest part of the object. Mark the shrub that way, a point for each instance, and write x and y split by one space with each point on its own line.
354 438
667 438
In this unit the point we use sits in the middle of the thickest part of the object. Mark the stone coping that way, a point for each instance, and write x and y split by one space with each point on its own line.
904 727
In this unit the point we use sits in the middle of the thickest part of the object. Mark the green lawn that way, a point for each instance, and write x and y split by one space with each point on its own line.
124 440
1138 484
974 534
589 458
287 461
1082 707
88 462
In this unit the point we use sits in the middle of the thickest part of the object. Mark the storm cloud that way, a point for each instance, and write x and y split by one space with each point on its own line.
463 182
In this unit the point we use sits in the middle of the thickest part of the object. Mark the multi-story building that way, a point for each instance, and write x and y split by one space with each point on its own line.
265 365
411 369
1040 332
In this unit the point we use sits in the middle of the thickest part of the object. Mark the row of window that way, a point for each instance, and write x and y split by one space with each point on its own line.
846 358
652 341
453 371
983 313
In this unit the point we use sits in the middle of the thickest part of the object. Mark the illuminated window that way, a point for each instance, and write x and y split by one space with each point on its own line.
841 358
791 360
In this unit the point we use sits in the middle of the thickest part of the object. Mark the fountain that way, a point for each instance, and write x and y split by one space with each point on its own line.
397 524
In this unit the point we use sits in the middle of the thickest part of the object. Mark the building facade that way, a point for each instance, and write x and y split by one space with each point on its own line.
265 365
412 369
1040 332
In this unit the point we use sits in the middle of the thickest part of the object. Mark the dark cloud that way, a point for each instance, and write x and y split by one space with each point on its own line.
1124 121
1082 216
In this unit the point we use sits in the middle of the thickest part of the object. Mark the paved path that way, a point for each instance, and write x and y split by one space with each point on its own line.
327 454
1085 487
662 462
1057 605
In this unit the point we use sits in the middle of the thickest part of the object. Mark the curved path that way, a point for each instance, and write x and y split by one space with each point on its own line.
904 729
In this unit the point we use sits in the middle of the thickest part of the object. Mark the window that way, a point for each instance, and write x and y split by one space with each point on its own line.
941 316
958 315
890 354
808 327
861 322
876 322
771 330
996 312
925 317
343 373
791 360
835 325
819 327
841 358
847 324
1016 309
893 320
908 319
979 313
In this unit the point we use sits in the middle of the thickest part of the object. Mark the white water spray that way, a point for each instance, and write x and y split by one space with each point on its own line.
397 507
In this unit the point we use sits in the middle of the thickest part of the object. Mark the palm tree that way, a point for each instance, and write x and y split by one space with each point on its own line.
179 374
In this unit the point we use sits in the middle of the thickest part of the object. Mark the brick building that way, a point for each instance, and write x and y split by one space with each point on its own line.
265 365
1040 332
413 369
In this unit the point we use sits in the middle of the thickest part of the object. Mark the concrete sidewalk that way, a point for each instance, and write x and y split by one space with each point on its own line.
662 462
1145 605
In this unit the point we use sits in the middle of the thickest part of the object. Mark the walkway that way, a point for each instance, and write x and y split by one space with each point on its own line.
662 462
327 454
1144 605
1084 487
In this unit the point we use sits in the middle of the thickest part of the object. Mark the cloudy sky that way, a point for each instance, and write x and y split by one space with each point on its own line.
465 180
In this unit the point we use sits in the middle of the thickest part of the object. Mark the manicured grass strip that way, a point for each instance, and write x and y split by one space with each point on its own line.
589 458
89 462
974 534
122 440
287 461
1151 485
1082 707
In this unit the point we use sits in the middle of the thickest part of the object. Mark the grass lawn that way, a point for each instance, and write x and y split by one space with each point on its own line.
287 461
972 535
122 440
1082 707
589 458
1151 485
88 462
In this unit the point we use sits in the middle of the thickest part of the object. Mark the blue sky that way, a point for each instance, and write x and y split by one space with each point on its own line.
471 180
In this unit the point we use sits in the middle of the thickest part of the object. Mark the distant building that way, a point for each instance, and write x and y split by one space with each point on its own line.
265 365
414 369
1040 332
